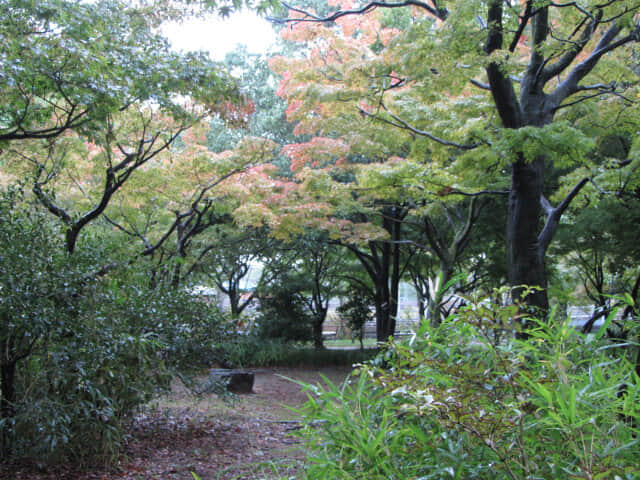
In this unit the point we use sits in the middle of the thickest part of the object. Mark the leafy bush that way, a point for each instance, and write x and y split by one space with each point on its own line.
80 347
467 400
76 395
284 315
189 329
254 351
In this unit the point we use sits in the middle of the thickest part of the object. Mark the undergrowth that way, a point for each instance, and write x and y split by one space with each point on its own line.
467 400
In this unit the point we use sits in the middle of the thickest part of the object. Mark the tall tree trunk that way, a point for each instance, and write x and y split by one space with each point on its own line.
526 262
7 405
394 292
234 300
383 312
176 275
316 329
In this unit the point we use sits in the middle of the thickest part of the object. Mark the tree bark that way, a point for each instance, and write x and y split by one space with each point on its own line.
316 329
383 310
526 257
434 313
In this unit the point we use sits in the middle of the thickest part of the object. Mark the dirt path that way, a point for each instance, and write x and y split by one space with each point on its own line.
180 433
247 439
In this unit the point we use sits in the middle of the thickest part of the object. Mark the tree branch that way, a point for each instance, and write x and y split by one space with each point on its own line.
570 55
440 13
605 45
554 214
479 84
521 26
50 205
461 238
504 95
406 126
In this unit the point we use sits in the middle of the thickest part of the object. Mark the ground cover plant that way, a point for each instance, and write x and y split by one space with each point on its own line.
468 400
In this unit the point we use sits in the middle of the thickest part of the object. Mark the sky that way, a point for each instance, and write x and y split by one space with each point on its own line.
220 36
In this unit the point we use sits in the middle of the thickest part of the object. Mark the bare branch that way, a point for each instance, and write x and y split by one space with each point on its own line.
479 84
570 55
440 13
599 188
522 25
546 206
49 204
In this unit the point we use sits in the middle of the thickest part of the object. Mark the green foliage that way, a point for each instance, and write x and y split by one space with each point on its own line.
188 330
83 345
356 310
569 145
284 314
466 400
76 394
253 351
68 64
71 370
37 282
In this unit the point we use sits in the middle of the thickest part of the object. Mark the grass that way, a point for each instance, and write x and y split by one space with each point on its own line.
348 343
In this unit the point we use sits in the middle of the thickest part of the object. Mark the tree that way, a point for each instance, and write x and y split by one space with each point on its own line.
184 197
356 310
229 261
118 101
389 180
67 64
462 63
318 268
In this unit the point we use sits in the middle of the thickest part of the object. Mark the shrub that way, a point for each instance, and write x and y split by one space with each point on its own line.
356 310
81 348
284 315
189 329
254 351
467 400
76 395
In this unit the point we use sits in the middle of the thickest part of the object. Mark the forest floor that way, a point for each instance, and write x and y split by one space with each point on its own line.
249 437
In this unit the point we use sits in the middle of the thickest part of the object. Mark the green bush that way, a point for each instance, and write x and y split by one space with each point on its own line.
76 395
284 315
467 400
189 329
356 310
254 351
82 345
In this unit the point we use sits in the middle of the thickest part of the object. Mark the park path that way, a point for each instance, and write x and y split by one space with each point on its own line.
249 438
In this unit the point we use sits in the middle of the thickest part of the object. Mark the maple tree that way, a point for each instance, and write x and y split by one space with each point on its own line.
102 108
174 202
490 85
67 64
600 243
313 201
372 169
